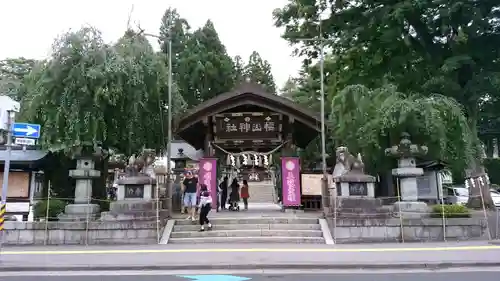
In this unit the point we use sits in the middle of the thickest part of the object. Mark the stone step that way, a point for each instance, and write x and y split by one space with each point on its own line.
258 220
284 226
248 240
248 233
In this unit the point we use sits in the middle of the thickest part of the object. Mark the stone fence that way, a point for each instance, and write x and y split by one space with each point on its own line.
407 230
68 233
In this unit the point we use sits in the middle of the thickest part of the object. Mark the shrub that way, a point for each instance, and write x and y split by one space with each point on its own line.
450 211
56 207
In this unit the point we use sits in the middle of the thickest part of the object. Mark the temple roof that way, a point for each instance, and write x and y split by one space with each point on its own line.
306 126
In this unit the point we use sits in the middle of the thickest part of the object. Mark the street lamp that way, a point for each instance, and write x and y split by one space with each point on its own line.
324 180
169 118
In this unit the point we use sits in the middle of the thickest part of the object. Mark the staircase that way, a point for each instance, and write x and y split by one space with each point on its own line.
292 230
261 192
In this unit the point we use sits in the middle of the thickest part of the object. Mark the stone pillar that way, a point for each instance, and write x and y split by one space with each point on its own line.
82 208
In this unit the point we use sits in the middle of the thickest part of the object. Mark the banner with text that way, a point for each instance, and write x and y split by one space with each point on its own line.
290 174
208 175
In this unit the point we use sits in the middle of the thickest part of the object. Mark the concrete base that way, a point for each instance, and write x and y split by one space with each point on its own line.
133 210
410 209
80 212
359 207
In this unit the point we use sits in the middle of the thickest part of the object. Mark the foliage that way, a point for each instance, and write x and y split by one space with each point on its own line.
426 47
450 211
201 66
493 167
239 69
12 73
368 121
259 71
90 92
54 206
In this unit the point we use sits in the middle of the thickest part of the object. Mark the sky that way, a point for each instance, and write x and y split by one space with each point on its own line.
28 27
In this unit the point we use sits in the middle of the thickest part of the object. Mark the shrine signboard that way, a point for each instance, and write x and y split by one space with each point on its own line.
248 126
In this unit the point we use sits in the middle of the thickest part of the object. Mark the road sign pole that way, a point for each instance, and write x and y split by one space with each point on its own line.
6 169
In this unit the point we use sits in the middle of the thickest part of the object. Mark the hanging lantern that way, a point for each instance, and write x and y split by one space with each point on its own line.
256 159
266 160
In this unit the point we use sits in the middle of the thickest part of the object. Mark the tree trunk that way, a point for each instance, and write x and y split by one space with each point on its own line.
476 177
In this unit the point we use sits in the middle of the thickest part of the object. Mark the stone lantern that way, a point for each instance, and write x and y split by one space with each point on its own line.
407 173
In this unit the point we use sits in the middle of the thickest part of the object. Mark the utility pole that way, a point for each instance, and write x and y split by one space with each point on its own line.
169 118
6 169
169 190
325 192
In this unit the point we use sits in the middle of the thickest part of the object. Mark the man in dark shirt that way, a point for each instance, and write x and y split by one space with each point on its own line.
190 187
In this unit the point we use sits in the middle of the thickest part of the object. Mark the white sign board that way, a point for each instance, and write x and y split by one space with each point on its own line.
25 141
311 183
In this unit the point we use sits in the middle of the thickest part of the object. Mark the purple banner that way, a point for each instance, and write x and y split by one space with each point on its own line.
208 175
290 175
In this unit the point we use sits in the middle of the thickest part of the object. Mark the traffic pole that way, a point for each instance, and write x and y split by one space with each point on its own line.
5 184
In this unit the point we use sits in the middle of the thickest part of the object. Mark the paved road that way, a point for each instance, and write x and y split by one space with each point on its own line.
463 275
205 257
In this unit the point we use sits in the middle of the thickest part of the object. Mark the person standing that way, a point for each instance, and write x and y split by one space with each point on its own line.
205 207
245 193
189 188
223 187
235 194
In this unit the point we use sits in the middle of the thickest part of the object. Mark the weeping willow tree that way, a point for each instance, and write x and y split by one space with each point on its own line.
370 120
89 91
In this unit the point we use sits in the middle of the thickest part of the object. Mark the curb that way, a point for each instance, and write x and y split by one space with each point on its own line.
443 265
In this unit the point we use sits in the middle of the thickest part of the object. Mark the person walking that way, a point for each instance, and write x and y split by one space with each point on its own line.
189 188
223 188
245 193
205 207
234 198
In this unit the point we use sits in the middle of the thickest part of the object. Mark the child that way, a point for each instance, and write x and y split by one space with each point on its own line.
205 207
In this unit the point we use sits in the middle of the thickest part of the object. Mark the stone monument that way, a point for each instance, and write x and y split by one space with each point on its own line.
135 190
407 173
349 177
83 208
355 196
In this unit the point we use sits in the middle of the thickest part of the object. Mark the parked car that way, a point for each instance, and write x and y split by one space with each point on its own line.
456 195
495 195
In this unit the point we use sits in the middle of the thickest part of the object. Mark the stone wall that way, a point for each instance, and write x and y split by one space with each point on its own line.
73 233
413 230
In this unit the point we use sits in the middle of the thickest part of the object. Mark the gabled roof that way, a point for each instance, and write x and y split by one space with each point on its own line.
249 93
22 156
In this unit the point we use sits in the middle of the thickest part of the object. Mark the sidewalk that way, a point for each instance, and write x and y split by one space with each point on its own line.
256 256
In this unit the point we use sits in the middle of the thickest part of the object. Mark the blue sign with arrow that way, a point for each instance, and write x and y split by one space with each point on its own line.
215 277
25 130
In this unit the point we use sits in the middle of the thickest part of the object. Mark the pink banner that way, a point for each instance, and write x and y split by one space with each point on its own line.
290 177
208 175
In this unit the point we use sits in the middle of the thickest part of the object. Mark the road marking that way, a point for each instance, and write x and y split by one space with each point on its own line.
280 272
251 250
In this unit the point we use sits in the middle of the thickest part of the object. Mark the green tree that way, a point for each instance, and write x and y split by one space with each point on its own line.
259 71
206 65
239 69
88 92
371 120
12 73
430 47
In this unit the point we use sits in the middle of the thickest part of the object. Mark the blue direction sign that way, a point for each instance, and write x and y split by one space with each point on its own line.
25 130
215 277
